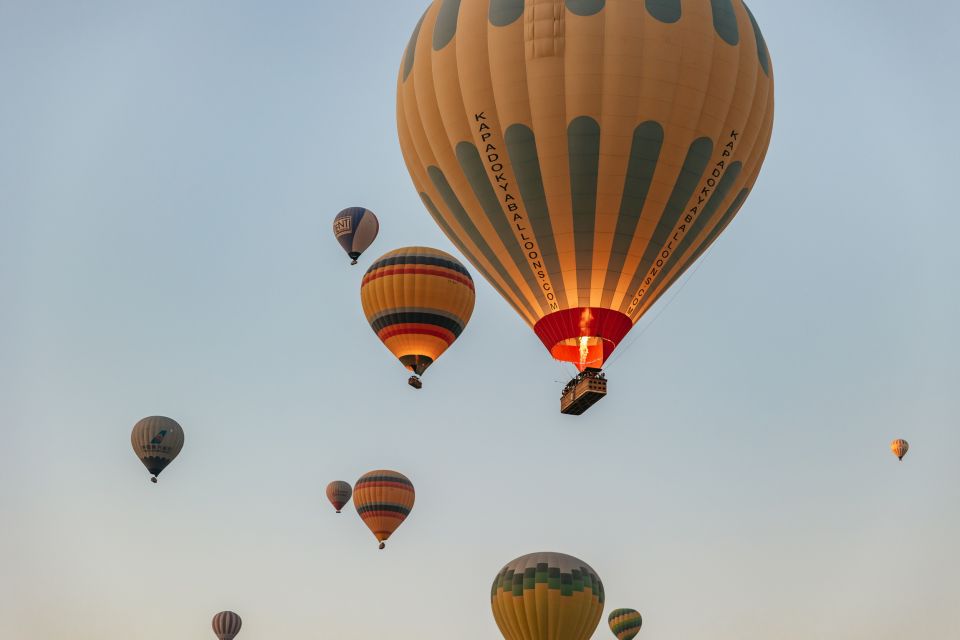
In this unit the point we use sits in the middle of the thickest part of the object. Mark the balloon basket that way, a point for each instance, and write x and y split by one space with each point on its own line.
415 382
582 392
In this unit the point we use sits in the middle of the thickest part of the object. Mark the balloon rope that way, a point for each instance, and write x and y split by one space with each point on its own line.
620 352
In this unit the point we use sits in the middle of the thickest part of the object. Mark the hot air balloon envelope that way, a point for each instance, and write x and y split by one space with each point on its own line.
156 440
582 154
625 623
226 625
547 596
383 500
418 301
355 229
338 493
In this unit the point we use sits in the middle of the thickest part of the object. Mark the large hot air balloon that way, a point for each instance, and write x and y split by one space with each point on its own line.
582 154
355 229
156 440
625 623
383 499
338 493
226 625
899 448
547 596
417 300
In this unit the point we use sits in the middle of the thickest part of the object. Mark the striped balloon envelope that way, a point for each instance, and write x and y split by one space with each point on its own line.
547 596
418 301
156 440
355 229
338 493
383 500
582 154
625 623
226 625
899 447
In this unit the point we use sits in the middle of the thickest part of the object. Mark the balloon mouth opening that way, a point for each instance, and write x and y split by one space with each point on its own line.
416 363
584 336
585 352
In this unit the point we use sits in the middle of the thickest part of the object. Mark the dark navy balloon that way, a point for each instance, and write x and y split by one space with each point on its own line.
355 228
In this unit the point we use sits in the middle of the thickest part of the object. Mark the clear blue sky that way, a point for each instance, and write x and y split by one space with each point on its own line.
168 175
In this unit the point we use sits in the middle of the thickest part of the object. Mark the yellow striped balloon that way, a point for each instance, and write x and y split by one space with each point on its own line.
899 447
547 596
625 623
156 440
383 500
418 301
582 154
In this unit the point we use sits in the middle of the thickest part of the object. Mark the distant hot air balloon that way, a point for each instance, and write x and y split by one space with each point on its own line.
338 493
583 154
625 623
418 300
355 229
226 625
383 499
156 440
547 596
899 448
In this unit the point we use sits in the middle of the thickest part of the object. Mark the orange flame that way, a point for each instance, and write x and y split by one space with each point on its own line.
584 350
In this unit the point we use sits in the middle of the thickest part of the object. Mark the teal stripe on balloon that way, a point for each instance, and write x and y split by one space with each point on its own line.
504 12
583 145
463 218
716 231
585 7
460 214
408 57
699 224
725 21
446 26
664 10
441 221
644 154
694 166
522 147
476 174
762 51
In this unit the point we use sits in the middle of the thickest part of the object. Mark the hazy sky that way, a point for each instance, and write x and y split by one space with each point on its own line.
168 175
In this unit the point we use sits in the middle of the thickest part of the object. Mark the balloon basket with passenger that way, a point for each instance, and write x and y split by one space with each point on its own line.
583 391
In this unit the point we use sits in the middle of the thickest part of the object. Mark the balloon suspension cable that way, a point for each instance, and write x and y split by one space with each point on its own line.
153 479
663 308
383 545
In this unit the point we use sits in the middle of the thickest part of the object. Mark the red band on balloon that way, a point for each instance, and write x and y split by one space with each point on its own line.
611 326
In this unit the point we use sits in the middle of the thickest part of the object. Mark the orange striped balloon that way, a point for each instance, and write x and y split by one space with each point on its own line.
383 499
899 448
338 493
418 300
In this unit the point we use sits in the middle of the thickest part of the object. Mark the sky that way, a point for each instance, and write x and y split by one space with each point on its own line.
168 176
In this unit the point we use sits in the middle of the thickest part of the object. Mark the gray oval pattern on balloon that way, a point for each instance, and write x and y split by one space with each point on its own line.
505 12
446 25
585 7
664 10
